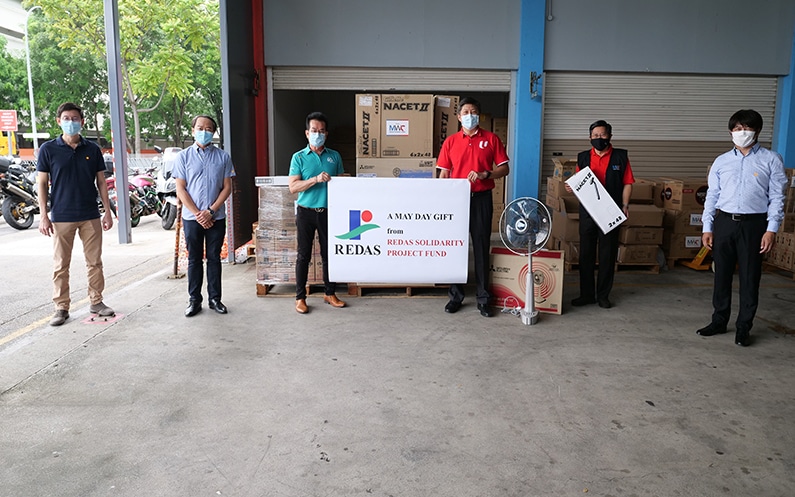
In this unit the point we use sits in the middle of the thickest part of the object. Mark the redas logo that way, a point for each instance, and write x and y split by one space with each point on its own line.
355 225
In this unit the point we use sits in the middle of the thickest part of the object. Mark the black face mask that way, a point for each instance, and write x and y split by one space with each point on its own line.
600 143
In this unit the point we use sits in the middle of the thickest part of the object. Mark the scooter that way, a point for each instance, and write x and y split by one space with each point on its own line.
167 187
143 197
18 187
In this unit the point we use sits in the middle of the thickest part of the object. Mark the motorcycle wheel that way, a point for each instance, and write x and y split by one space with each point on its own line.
169 216
14 217
134 220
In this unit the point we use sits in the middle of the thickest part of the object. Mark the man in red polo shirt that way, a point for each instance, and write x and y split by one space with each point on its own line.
472 153
611 167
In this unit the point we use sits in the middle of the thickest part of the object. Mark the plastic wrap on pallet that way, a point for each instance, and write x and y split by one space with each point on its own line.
276 207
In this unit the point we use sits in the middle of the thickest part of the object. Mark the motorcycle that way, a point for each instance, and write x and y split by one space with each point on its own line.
167 186
143 197
19 191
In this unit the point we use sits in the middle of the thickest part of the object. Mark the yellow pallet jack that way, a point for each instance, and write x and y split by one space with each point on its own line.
698 261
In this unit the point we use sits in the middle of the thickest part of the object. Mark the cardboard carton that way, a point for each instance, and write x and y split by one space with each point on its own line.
495 217
684 193
571 251
498 193
564 168
644 215
368 125
557 188
486 122
508 279
445 120
642 192
499 127
681 246
395 168
684 221
640 235
637 254
406 126
566 220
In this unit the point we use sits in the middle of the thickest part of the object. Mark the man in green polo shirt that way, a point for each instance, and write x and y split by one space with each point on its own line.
310 171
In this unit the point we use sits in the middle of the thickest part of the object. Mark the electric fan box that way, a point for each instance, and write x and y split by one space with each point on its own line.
509 276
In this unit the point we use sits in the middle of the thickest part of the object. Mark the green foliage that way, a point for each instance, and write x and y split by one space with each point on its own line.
166 47
13 77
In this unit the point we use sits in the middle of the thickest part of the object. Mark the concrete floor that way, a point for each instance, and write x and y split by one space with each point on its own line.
393 397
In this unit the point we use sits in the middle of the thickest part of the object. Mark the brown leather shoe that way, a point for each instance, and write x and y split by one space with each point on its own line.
300 306
334 301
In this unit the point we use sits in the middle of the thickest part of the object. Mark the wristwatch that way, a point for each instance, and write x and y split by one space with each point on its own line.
212 212
488 175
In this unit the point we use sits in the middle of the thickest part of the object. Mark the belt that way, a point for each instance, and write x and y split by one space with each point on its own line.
481 193
745 217
313 209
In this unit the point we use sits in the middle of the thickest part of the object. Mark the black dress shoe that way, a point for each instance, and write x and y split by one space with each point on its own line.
217 306
605 303
485 310
742 338
581 301
711 329
452 307
194 307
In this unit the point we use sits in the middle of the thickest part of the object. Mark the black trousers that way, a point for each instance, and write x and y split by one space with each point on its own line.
480 212
592 237
737 243
204 243
309 221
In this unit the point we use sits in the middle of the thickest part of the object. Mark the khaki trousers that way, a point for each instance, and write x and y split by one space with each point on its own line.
63 240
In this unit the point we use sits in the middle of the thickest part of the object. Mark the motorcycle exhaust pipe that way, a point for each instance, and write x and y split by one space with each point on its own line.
27 197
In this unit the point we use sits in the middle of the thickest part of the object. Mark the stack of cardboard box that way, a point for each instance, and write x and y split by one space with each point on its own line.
783 253
565 210
400 135
275 236
683 201
641 234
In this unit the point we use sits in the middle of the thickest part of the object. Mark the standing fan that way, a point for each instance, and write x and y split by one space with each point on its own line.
524 228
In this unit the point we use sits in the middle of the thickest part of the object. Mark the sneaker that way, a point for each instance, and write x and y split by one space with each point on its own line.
101 309
59 318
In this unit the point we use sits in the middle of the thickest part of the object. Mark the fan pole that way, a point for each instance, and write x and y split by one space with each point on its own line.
529 313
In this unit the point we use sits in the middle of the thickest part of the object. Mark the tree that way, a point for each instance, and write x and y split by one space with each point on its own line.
13 78
157 39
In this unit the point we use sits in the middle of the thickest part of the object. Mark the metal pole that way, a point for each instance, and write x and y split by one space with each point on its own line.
30 86
117 119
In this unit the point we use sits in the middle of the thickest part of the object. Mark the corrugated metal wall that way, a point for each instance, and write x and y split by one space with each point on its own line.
672 125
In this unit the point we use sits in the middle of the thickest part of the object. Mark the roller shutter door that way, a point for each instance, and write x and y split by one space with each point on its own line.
381 79
672 125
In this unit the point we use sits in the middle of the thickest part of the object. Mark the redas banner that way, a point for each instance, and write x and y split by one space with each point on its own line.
398 230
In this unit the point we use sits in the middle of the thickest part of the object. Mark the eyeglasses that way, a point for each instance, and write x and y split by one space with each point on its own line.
74 119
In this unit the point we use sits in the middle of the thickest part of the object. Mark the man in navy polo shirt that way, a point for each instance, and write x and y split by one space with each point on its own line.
71 171
472 153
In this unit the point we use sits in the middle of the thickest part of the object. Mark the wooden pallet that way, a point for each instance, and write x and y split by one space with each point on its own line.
287 289
394 290
622 268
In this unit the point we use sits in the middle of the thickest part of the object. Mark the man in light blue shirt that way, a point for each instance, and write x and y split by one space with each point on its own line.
203 174
742 213
310 171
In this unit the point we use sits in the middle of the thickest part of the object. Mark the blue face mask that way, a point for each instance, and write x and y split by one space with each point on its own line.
203 137
71 127
470 121
317 139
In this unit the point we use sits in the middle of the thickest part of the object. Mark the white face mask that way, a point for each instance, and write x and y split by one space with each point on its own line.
743 138
470 121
